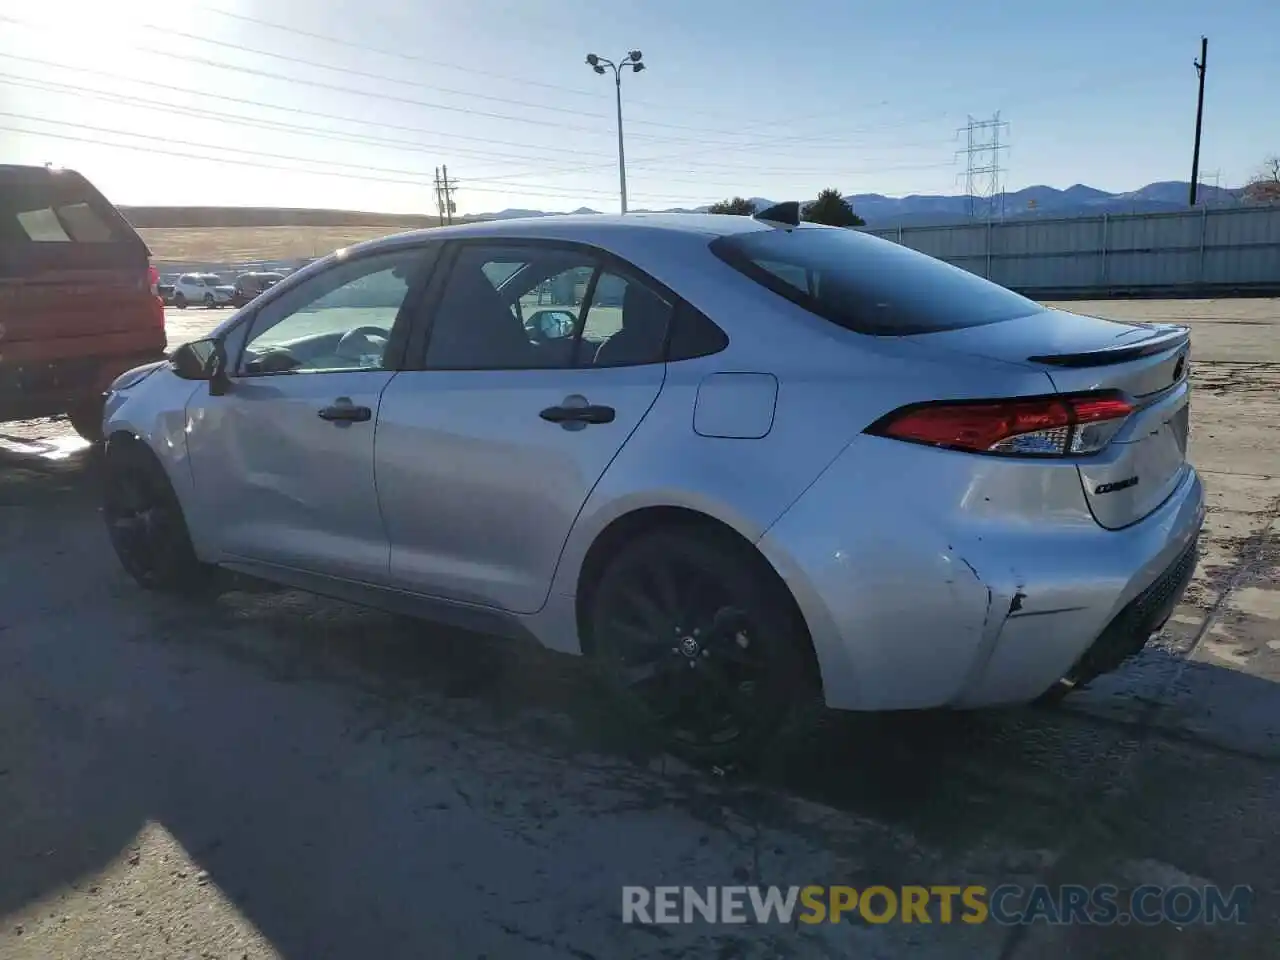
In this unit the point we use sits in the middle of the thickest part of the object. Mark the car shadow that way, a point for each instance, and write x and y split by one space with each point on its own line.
358 784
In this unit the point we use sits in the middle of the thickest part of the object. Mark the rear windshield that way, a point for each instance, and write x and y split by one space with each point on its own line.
42 208
867 284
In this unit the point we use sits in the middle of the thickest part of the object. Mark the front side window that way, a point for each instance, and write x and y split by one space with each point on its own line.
543 307
867 284
339 320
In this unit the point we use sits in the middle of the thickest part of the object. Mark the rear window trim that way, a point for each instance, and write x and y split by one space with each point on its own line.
723 247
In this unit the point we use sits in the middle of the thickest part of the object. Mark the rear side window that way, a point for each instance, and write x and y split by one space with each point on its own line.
41 208
84 224
869 285
42 226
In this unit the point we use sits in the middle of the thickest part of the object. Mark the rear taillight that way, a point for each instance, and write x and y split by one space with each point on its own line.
1059 426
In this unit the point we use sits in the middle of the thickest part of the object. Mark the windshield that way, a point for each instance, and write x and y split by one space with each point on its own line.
867 284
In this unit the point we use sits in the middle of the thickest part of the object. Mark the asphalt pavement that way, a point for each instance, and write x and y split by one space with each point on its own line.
277 775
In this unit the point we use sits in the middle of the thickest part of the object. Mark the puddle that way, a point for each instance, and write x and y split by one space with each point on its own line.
48 448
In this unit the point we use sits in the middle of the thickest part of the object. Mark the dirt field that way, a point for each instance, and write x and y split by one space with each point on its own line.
281 776
238 244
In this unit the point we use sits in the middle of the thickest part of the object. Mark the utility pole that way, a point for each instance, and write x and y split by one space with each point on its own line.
448 186
1195 156
439 198
445 206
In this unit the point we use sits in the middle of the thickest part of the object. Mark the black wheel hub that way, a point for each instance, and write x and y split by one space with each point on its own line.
690 655
138 522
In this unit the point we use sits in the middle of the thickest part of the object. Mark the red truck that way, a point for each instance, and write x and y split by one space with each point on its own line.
78 297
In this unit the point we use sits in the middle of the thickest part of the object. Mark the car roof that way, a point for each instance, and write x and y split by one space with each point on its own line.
587 228
24 174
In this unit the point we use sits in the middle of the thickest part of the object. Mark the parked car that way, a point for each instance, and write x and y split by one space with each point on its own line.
205 288
78 302
793 463
250 285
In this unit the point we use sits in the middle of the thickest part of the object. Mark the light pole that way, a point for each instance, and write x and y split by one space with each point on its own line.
598 64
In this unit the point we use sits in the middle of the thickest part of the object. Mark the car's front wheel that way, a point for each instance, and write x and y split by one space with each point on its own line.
700 642
180 301
145 523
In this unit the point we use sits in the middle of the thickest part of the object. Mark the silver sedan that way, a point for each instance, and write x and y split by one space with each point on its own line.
748 465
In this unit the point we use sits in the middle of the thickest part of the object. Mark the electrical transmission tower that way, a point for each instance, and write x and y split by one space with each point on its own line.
444 195
982 175
1214 180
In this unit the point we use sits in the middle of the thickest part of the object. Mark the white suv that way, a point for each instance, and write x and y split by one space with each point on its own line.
206 288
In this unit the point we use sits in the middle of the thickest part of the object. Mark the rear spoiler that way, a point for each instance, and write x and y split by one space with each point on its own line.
1164 338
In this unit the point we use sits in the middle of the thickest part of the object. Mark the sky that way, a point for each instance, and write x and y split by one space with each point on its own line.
324 103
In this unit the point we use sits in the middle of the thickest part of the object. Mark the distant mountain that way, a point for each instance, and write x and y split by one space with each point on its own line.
1029 202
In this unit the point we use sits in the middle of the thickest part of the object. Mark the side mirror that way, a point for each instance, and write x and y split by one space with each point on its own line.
553 324
191 361
219 382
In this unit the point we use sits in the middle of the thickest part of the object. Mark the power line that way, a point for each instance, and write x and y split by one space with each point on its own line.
400 54
338 88
412 146
643 162
255 103
523 81
382 77
347 171
355 174
368 74
205 113
322 85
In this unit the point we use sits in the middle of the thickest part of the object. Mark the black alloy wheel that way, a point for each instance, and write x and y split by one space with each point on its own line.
145 523
698 640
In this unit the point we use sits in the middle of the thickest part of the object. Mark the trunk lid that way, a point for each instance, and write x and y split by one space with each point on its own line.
1148 362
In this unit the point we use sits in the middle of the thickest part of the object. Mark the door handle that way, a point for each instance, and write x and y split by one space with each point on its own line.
591 413
345 412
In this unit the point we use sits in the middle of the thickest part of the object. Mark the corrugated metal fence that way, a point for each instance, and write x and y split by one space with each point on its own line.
1208 250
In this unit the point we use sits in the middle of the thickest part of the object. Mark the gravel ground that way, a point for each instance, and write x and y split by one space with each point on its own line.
275 775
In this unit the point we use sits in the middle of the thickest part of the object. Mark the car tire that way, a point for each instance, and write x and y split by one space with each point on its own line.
700 643
208 301
145 522
180 301
86 419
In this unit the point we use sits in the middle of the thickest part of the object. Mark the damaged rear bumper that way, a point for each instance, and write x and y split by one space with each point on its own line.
1089 610
939 593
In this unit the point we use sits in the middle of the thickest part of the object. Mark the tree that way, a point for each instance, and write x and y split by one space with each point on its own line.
738 206
1265 186
832 209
